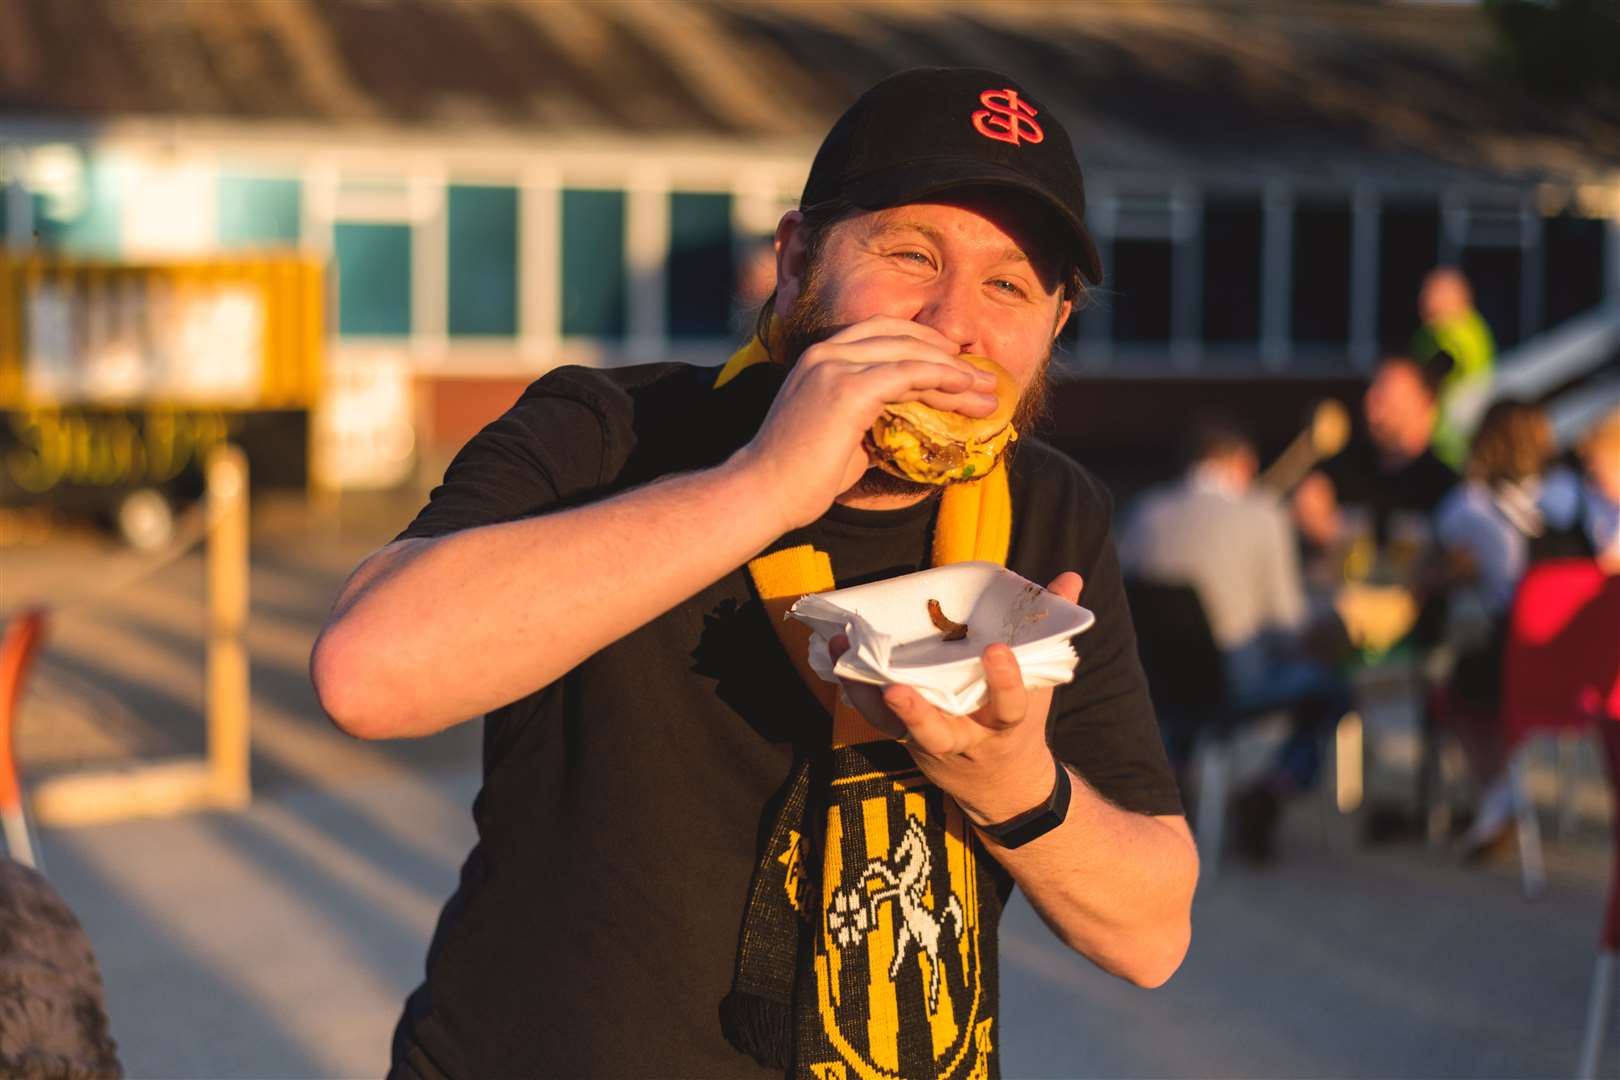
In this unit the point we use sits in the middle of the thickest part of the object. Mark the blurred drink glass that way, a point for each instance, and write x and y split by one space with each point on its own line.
1360 551
1409 536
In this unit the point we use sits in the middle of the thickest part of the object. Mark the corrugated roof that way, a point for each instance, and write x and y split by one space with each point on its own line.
1306 87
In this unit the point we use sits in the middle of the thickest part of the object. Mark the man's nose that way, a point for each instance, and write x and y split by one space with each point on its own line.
948 307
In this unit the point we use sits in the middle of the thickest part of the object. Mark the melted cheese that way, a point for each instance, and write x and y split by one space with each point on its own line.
908 454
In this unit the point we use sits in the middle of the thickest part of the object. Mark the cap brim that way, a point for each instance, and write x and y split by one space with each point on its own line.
892 187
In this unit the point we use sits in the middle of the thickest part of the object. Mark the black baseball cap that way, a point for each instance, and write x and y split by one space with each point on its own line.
927 130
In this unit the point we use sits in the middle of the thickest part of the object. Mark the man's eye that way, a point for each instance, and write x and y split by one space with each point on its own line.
1011 288
918 257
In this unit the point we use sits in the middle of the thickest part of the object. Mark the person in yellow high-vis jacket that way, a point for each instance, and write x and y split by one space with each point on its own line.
1454 327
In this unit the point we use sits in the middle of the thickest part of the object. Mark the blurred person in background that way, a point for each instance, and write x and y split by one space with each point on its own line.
666 880
1587 507
1388 471
1489 528
1453 327
1214 531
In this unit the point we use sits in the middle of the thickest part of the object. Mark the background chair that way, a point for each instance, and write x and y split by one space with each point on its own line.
1600 1005
1561 670
1187 681
1559 675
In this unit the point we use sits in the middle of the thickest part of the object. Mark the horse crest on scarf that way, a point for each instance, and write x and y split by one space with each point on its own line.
897 956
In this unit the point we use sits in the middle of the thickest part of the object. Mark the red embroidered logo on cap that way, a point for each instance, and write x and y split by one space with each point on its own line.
1007 119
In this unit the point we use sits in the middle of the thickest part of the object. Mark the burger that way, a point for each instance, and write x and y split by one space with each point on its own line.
931 446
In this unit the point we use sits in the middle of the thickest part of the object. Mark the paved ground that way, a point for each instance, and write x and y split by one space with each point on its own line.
278 942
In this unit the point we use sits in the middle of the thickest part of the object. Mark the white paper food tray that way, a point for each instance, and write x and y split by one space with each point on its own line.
893 639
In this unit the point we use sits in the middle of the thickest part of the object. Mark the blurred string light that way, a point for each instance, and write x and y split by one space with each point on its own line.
1591 200
1599 201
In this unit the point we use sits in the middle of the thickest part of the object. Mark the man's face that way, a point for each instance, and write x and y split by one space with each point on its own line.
979 267
1601 456
1444 294
1400 412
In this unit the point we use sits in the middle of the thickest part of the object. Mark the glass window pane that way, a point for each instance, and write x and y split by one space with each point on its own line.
374 278
1573 261
593 271
1494 274
1232 242
702 273
483 260
1320 302
258 211
1408 247
1141 290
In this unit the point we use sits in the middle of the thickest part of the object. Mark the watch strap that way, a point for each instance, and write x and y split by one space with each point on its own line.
1037 822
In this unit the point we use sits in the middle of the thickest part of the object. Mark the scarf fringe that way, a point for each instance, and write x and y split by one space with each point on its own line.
759 1027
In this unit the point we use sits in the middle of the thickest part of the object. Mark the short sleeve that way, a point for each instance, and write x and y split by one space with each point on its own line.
1103 722
558 443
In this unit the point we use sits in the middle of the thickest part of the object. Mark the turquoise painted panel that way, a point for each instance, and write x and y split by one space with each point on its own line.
94 227
593 270
483 273
258 211
374 279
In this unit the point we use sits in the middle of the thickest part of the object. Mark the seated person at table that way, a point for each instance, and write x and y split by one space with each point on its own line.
1234 547
1490 527
1388 468
1587 508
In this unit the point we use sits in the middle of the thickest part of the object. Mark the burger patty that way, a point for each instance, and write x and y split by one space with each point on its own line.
943 457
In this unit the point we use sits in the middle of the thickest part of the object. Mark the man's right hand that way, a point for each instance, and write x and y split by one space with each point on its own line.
808 450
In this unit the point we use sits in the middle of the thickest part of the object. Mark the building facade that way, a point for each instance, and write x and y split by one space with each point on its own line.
1245 239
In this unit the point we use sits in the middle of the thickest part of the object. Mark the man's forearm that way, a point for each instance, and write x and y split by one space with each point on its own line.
1113 885
426 635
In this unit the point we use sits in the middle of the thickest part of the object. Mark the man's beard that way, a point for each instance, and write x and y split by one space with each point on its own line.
810 322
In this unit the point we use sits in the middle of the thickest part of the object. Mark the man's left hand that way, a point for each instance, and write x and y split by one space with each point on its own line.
994 761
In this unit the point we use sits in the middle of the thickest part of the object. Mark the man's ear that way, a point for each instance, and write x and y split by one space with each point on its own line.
1065 309
790 260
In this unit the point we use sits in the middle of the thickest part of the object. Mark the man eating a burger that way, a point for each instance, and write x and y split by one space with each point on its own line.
695 858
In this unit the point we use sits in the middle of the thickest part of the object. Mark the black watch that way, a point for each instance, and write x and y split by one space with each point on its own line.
1018 831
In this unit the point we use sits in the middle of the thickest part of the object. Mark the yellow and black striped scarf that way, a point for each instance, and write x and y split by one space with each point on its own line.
868 942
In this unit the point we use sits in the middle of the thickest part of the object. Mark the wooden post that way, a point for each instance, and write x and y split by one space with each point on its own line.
227 705
182 785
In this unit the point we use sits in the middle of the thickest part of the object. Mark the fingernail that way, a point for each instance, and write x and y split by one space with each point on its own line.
988 399
984 378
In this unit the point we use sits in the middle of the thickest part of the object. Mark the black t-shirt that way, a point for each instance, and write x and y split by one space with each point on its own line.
595 928
1362 476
